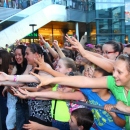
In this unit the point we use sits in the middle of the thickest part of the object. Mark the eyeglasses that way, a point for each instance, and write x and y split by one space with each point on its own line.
107 52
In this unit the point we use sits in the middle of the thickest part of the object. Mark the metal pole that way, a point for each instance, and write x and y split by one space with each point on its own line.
32 25
99 107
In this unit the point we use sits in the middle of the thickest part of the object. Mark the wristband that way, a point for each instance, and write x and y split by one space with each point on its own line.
47 45
15 78
33 98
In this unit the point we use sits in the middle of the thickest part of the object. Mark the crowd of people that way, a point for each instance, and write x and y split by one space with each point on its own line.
22 4
39 84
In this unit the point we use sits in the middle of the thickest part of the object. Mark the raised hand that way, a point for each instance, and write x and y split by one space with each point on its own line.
55 44
41 39
40 62
43 80
75 45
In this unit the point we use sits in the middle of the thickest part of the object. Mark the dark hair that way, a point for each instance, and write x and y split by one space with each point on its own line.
84 117
98 46
116 46
5 57
36 48
21 68
104 73
12 63
69 63
126 58
12 57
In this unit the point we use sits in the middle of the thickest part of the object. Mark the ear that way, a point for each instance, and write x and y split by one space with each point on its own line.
37 55
81 127
117 53
69 70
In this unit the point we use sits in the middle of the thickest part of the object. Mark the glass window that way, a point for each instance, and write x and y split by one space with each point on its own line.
106 6
114 1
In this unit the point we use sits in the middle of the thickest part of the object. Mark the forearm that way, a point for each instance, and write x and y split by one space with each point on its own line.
118 121
80 81
23 78
54 73
47 94
53 52
10 83
61 54
30 89
124 108
101 62
95 54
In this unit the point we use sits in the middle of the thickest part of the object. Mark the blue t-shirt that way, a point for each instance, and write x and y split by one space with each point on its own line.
102 119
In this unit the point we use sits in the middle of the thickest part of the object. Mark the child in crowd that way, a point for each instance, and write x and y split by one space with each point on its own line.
11 104
81 119
103 120
64 66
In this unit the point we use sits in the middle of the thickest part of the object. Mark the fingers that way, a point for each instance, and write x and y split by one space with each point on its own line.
108 107
69 48
36 75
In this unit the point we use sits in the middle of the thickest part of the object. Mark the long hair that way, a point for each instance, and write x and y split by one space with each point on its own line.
36 48
21 67
5 60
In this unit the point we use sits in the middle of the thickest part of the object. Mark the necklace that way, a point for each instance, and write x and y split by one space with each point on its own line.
126 90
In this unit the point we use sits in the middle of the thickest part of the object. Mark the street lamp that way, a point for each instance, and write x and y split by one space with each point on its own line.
32 25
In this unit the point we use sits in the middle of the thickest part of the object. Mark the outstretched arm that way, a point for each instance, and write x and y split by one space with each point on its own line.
61 54
100 61
36 126
122 107
75 81
43 67
50 95
118 121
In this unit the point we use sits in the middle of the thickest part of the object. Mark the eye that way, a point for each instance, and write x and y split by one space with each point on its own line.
119 72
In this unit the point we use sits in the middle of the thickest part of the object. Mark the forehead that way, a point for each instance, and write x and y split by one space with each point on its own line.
18 51
106 47
126 50
60 62
120 64
28 49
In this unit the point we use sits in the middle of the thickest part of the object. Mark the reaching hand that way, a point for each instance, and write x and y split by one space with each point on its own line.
108 108
19 93
75 44
43 80
41 39
33 126
55 44
40 62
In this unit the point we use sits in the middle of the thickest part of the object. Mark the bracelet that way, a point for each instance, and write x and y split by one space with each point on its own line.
33 98
15 77
47 45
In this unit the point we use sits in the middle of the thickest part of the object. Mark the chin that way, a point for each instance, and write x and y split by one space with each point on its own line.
118 83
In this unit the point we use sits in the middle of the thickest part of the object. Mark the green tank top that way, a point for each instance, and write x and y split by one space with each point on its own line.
61 109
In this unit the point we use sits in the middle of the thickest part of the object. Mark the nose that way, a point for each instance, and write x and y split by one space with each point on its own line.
114 74
16 56
104 54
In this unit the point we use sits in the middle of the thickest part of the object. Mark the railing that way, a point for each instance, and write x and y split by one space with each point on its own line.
75 4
